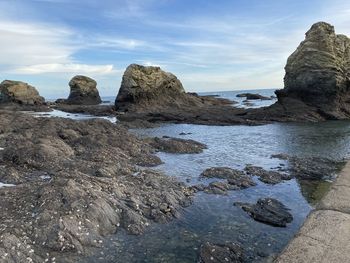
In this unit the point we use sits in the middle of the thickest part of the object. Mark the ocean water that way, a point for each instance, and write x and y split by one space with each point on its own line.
214 218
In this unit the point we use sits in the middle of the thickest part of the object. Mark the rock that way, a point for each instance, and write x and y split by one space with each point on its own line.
252 96
234 177
219 188
83 91
176 145
311 168
95 188
19 92
318 73
220 253
268 177
269 211
144 87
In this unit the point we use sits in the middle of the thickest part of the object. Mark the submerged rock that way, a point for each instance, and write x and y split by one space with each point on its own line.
311 168
19 92
318 73
269 211
176 145
268 177
83 91
220 253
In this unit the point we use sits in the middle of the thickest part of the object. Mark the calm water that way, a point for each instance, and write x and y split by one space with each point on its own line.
213 217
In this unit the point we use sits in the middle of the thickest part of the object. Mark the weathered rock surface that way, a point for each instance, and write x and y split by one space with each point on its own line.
76 183
311 168
177 145
234 177
318 73
221 253
268 177
269 211
83 91
19 92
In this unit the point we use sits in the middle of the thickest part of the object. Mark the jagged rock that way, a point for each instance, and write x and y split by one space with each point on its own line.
220 253
268 177
83 91
318 73
177 145
269 211
234 177
19 92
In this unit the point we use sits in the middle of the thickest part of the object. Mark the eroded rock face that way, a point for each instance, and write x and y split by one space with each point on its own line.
318 72
83 91
150 88
19 92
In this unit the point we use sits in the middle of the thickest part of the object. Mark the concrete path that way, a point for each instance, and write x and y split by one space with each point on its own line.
325 235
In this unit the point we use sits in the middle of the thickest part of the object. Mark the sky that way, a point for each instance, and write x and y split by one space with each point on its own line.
209 45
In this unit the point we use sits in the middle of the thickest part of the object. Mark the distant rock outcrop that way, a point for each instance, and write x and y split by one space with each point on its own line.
318 73
19 92
83 91
150 88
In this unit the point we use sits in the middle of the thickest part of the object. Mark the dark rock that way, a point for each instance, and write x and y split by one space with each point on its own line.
83 91
220 253
219 188
253 96
176 145
269 211
268 177
95 189
19 92
234 177
311 168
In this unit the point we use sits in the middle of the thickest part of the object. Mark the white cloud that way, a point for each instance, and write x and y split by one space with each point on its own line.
65 68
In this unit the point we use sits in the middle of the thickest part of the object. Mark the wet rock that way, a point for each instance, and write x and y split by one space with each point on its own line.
234 177
311 168
252 96
220 253
95 186
83 91
176 145
219 188
19 92
269 211
268 177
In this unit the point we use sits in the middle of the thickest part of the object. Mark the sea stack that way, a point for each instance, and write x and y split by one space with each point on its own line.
151 89
19 92
318 73
83 91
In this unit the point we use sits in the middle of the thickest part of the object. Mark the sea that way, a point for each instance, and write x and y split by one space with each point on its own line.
214 218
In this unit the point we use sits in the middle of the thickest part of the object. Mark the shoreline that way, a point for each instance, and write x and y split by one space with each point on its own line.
325 234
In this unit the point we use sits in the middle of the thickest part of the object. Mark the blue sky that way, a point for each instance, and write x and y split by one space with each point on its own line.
210 45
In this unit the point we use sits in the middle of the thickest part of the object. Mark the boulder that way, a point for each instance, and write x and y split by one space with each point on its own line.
19 92
150 88
318 73
83 91
269 211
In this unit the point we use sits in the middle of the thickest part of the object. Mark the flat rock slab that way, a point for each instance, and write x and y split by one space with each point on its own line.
324 238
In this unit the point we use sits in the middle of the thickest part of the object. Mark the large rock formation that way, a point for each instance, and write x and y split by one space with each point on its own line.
150 88
83 91
19 92
318 73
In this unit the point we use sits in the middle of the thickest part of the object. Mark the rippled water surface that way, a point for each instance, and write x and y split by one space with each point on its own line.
213 217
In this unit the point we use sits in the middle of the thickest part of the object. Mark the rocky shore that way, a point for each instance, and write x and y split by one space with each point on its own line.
69 184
